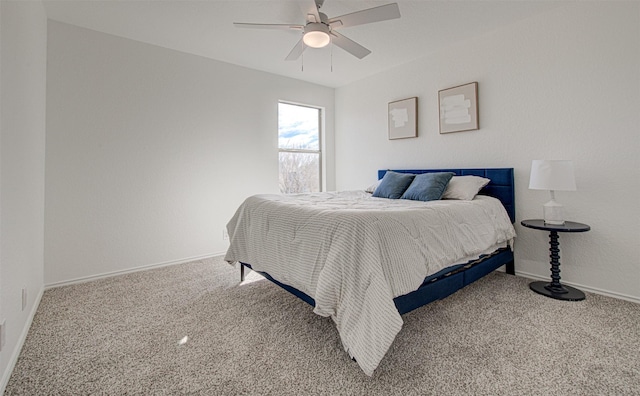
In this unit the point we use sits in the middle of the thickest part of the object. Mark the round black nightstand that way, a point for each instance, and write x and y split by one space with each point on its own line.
555 289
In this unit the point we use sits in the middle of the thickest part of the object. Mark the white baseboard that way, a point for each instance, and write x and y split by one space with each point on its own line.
18 347
583 287
129 270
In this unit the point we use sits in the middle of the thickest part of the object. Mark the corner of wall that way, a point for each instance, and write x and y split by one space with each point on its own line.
23 60
17 348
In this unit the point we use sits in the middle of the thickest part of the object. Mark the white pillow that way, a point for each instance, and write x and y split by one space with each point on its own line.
373 187
464 187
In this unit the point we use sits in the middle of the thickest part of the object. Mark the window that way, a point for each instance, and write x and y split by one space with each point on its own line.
299 148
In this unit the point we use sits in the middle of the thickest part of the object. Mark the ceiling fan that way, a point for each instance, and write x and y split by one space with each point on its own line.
320 30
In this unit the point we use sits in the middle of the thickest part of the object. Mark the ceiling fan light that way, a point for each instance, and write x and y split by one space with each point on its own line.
316 35
316 39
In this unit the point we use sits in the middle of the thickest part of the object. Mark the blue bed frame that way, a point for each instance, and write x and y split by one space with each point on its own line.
451 279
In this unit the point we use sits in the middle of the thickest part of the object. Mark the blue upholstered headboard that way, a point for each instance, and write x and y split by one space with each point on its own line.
501 185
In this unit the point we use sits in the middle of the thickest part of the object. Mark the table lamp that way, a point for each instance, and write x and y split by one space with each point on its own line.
552 175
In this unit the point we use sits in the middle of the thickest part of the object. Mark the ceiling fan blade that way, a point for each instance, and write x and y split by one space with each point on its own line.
280 26
296 51
349 45
313 13
376 14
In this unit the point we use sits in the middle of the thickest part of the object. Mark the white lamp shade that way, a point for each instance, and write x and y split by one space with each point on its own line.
554 175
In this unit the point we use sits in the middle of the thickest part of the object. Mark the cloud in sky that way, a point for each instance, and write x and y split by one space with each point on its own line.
298 127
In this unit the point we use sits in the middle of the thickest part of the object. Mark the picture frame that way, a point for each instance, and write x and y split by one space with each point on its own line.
402 118
458 108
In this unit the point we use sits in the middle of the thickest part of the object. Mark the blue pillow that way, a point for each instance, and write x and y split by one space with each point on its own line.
393 185
428 186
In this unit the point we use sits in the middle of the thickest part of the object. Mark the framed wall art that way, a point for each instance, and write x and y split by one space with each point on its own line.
459 108
403 118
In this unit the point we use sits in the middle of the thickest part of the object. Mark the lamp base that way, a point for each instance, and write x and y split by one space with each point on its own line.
553 213
566 293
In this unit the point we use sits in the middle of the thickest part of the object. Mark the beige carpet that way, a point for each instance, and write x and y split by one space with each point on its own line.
193 329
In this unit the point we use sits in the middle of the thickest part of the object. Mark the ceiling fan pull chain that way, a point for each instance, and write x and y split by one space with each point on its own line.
331 56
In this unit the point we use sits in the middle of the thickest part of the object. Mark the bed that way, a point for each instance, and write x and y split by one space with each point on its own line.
365 261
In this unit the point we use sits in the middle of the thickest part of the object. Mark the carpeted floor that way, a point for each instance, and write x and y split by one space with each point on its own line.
193 329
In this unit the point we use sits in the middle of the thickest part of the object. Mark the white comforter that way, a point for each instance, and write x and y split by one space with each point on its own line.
354 253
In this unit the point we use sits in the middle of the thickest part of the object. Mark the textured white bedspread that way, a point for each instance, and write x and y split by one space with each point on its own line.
354 253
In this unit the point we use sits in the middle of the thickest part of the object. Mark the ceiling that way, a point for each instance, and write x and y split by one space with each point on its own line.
206 28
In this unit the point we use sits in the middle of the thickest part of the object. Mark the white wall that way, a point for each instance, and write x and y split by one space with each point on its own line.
565 85
149 151
23 39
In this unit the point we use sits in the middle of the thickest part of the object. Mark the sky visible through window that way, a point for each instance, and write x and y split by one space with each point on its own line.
297 127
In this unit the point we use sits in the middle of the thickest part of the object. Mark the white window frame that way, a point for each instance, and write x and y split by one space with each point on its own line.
320 150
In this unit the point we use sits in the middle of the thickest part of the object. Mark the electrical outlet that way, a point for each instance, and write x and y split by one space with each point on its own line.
24 298
3 338
225 235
